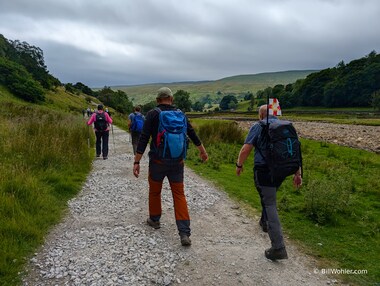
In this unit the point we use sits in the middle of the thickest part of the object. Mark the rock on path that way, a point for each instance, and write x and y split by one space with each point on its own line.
104 239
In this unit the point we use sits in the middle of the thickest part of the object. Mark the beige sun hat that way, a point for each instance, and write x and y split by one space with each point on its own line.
164 92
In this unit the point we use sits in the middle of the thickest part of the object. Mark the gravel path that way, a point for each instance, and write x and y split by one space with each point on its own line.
104 239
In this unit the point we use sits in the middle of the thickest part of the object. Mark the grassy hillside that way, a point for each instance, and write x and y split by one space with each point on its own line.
141 94
45 158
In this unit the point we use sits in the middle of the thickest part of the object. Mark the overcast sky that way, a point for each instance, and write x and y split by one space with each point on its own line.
115 42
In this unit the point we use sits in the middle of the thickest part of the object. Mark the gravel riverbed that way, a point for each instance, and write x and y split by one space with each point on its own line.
354 136
104 239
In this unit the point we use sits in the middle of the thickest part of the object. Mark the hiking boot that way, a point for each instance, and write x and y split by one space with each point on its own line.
154 224
275 254
97 155
185 240
105 158
264 226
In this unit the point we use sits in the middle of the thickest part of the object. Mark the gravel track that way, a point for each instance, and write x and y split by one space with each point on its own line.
104 240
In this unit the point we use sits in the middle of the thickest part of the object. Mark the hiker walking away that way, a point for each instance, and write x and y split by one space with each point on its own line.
135 124
88 112
166 159
267 181
101 122
109 113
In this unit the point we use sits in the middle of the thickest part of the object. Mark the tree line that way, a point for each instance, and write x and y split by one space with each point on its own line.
23 70
356 84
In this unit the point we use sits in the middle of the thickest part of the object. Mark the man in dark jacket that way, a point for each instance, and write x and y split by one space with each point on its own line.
160 168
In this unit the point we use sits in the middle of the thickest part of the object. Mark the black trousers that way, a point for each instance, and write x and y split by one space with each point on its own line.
102 143
135 140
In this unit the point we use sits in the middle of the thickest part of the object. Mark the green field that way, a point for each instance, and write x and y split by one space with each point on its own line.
241 84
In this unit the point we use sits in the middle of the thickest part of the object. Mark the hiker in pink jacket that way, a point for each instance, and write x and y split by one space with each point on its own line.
101 122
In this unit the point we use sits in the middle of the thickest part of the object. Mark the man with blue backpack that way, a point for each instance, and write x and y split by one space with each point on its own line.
135 124
169 129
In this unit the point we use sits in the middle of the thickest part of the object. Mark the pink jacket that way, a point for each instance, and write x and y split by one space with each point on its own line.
93 119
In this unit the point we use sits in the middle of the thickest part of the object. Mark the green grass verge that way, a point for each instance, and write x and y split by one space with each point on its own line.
335 216
44 161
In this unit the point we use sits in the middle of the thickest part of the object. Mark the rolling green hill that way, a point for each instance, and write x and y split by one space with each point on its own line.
239 84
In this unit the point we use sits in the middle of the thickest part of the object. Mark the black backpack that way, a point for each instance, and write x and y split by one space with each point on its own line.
282 149
101 123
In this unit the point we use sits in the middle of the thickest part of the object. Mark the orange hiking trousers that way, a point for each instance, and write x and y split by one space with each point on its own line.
173 170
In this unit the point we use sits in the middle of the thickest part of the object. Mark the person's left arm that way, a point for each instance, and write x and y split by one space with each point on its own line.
108 118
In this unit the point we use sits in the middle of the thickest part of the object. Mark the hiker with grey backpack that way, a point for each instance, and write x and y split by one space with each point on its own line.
168 128
277 155
101 121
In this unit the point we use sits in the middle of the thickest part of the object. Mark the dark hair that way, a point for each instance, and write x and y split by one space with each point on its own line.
100 107
137 108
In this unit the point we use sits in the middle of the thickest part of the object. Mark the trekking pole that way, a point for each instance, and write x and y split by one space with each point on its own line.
88 138
113 139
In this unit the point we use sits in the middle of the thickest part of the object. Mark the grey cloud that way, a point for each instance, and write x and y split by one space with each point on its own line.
128 42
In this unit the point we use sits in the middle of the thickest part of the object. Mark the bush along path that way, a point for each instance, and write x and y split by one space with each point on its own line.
104 239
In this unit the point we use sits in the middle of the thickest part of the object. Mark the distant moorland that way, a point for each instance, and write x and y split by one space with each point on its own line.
240 84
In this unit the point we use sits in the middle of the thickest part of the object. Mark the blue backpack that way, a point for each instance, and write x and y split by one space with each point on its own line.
137 122
172 134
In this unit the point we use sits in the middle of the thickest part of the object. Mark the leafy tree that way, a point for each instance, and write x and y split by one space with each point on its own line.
182 101
198 106
84 88
251 103
226 104
32 58
232 105
148 106
376 100
206 99
117 100
20 82
248 96
69 87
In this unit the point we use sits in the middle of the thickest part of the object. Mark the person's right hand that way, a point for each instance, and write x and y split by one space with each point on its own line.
136 170
204 156
297 180
239 170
